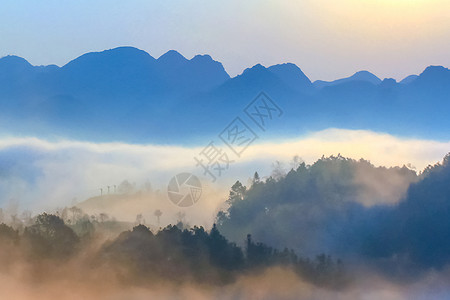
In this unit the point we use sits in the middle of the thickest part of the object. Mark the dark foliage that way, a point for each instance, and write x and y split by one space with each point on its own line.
308 208
195 254
417 230
8 235
49 237
316 209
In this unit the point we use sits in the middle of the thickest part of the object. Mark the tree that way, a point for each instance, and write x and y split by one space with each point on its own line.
125 187
84 228
148 187
256 179
296 162
237 193
26 217
76 213
50 237
139 219
181 219
278 170
446 160
158 215
8 235
258 254
222 253
102 217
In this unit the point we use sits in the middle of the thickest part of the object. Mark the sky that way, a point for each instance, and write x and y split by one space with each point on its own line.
327 39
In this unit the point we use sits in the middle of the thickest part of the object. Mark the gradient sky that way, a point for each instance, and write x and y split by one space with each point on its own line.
328 39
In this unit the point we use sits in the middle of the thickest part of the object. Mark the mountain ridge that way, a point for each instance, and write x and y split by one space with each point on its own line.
176 57
126 94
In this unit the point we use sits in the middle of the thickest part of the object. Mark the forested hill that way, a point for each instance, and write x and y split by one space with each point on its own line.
315 208
139 257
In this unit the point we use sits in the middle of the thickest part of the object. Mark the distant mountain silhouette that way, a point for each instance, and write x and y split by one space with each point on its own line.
126 94
13 64
250 82
201 73
409 79
364 76
172 59
292 76
434 76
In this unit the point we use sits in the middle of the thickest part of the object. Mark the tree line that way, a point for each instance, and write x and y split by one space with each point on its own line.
178 255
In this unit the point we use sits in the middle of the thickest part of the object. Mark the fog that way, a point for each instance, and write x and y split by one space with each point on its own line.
47 176
42 175
72 281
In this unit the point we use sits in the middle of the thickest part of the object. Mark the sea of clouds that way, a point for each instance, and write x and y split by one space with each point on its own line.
37 174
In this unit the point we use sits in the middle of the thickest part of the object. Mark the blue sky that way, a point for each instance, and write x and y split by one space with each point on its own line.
328 39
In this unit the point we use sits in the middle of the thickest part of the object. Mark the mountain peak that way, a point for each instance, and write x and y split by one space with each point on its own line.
119 53
409 79
115 56
255 69
14 62
127 51
204 57
172 57
388 83
124 49
292 75
286 67
366 76
289 66
435 70
434 75
207 66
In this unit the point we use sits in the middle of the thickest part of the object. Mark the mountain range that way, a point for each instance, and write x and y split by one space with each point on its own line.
125 94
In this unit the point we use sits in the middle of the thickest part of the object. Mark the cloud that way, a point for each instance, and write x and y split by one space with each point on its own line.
42 174
274 283
380 148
